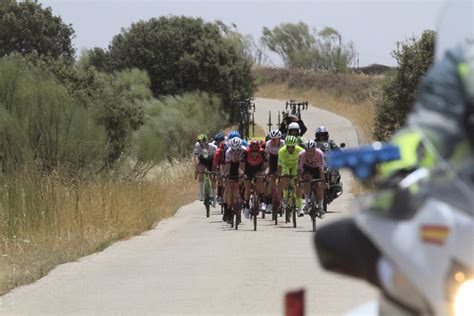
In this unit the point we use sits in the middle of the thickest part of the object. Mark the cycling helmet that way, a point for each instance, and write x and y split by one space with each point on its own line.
294 125
291 140
268 137
275 134
321 132
310 144
202 138
219 137
254 145
235 143
233 134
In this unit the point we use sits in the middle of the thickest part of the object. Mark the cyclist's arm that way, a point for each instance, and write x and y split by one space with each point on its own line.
303 128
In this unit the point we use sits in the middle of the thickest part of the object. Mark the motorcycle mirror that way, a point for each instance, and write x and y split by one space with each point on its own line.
343 145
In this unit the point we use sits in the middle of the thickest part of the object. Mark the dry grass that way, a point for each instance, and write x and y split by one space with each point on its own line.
361 113
45 222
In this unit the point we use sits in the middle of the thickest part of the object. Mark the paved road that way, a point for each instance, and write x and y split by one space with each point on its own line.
193 265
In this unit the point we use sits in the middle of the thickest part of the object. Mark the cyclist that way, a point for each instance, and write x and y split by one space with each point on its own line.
218 139
237 134
294 130
252 162
322 140
203 158
218 162
327 145
233 170
273 145
311 166
288 166
288 119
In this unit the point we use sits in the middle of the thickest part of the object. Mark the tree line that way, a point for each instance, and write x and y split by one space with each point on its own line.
125 104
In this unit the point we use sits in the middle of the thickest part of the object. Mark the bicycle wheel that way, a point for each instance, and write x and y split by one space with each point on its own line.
312 211
255 209
237 219
294 212
275 204
207 194
207 205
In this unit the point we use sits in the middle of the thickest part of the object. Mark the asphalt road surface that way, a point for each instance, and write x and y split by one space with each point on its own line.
190 264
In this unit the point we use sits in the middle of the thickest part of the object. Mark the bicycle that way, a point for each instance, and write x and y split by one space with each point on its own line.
313 202
245 120
237 205
276 201
255 202
290 210
296 107
207 192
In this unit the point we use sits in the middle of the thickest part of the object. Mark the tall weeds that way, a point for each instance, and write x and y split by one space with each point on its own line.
46 220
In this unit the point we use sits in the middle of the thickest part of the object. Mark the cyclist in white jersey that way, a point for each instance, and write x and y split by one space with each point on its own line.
272 147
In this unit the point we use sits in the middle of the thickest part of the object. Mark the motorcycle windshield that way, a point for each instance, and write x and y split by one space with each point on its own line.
455 25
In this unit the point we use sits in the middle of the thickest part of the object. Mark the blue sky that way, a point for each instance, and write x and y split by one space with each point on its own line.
373 26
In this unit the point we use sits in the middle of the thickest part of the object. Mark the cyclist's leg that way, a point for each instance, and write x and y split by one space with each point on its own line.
201 168
320 186
307 189
260 187
299 197
247 185
285 183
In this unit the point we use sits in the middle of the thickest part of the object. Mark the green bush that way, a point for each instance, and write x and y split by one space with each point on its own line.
171 127
41 123
414 58
180 55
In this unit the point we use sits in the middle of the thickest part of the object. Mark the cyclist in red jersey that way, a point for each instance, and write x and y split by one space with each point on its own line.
252 162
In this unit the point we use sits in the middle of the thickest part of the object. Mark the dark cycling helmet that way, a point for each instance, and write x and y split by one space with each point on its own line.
268 137
219 137
321 133
233 134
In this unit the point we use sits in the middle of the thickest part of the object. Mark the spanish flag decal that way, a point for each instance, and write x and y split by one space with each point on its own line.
434 234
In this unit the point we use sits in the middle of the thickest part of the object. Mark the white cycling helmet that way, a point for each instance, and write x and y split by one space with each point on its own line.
235 143
275 134
310 144
294 125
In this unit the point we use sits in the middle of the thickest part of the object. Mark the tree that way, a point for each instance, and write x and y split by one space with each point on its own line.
414 58
300 47
333 54
180 55
294 43
246 44
26 27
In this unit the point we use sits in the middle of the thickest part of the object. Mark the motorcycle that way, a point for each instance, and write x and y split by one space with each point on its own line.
413 239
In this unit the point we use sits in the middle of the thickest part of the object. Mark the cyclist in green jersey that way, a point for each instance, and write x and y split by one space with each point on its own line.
288 165
294 130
